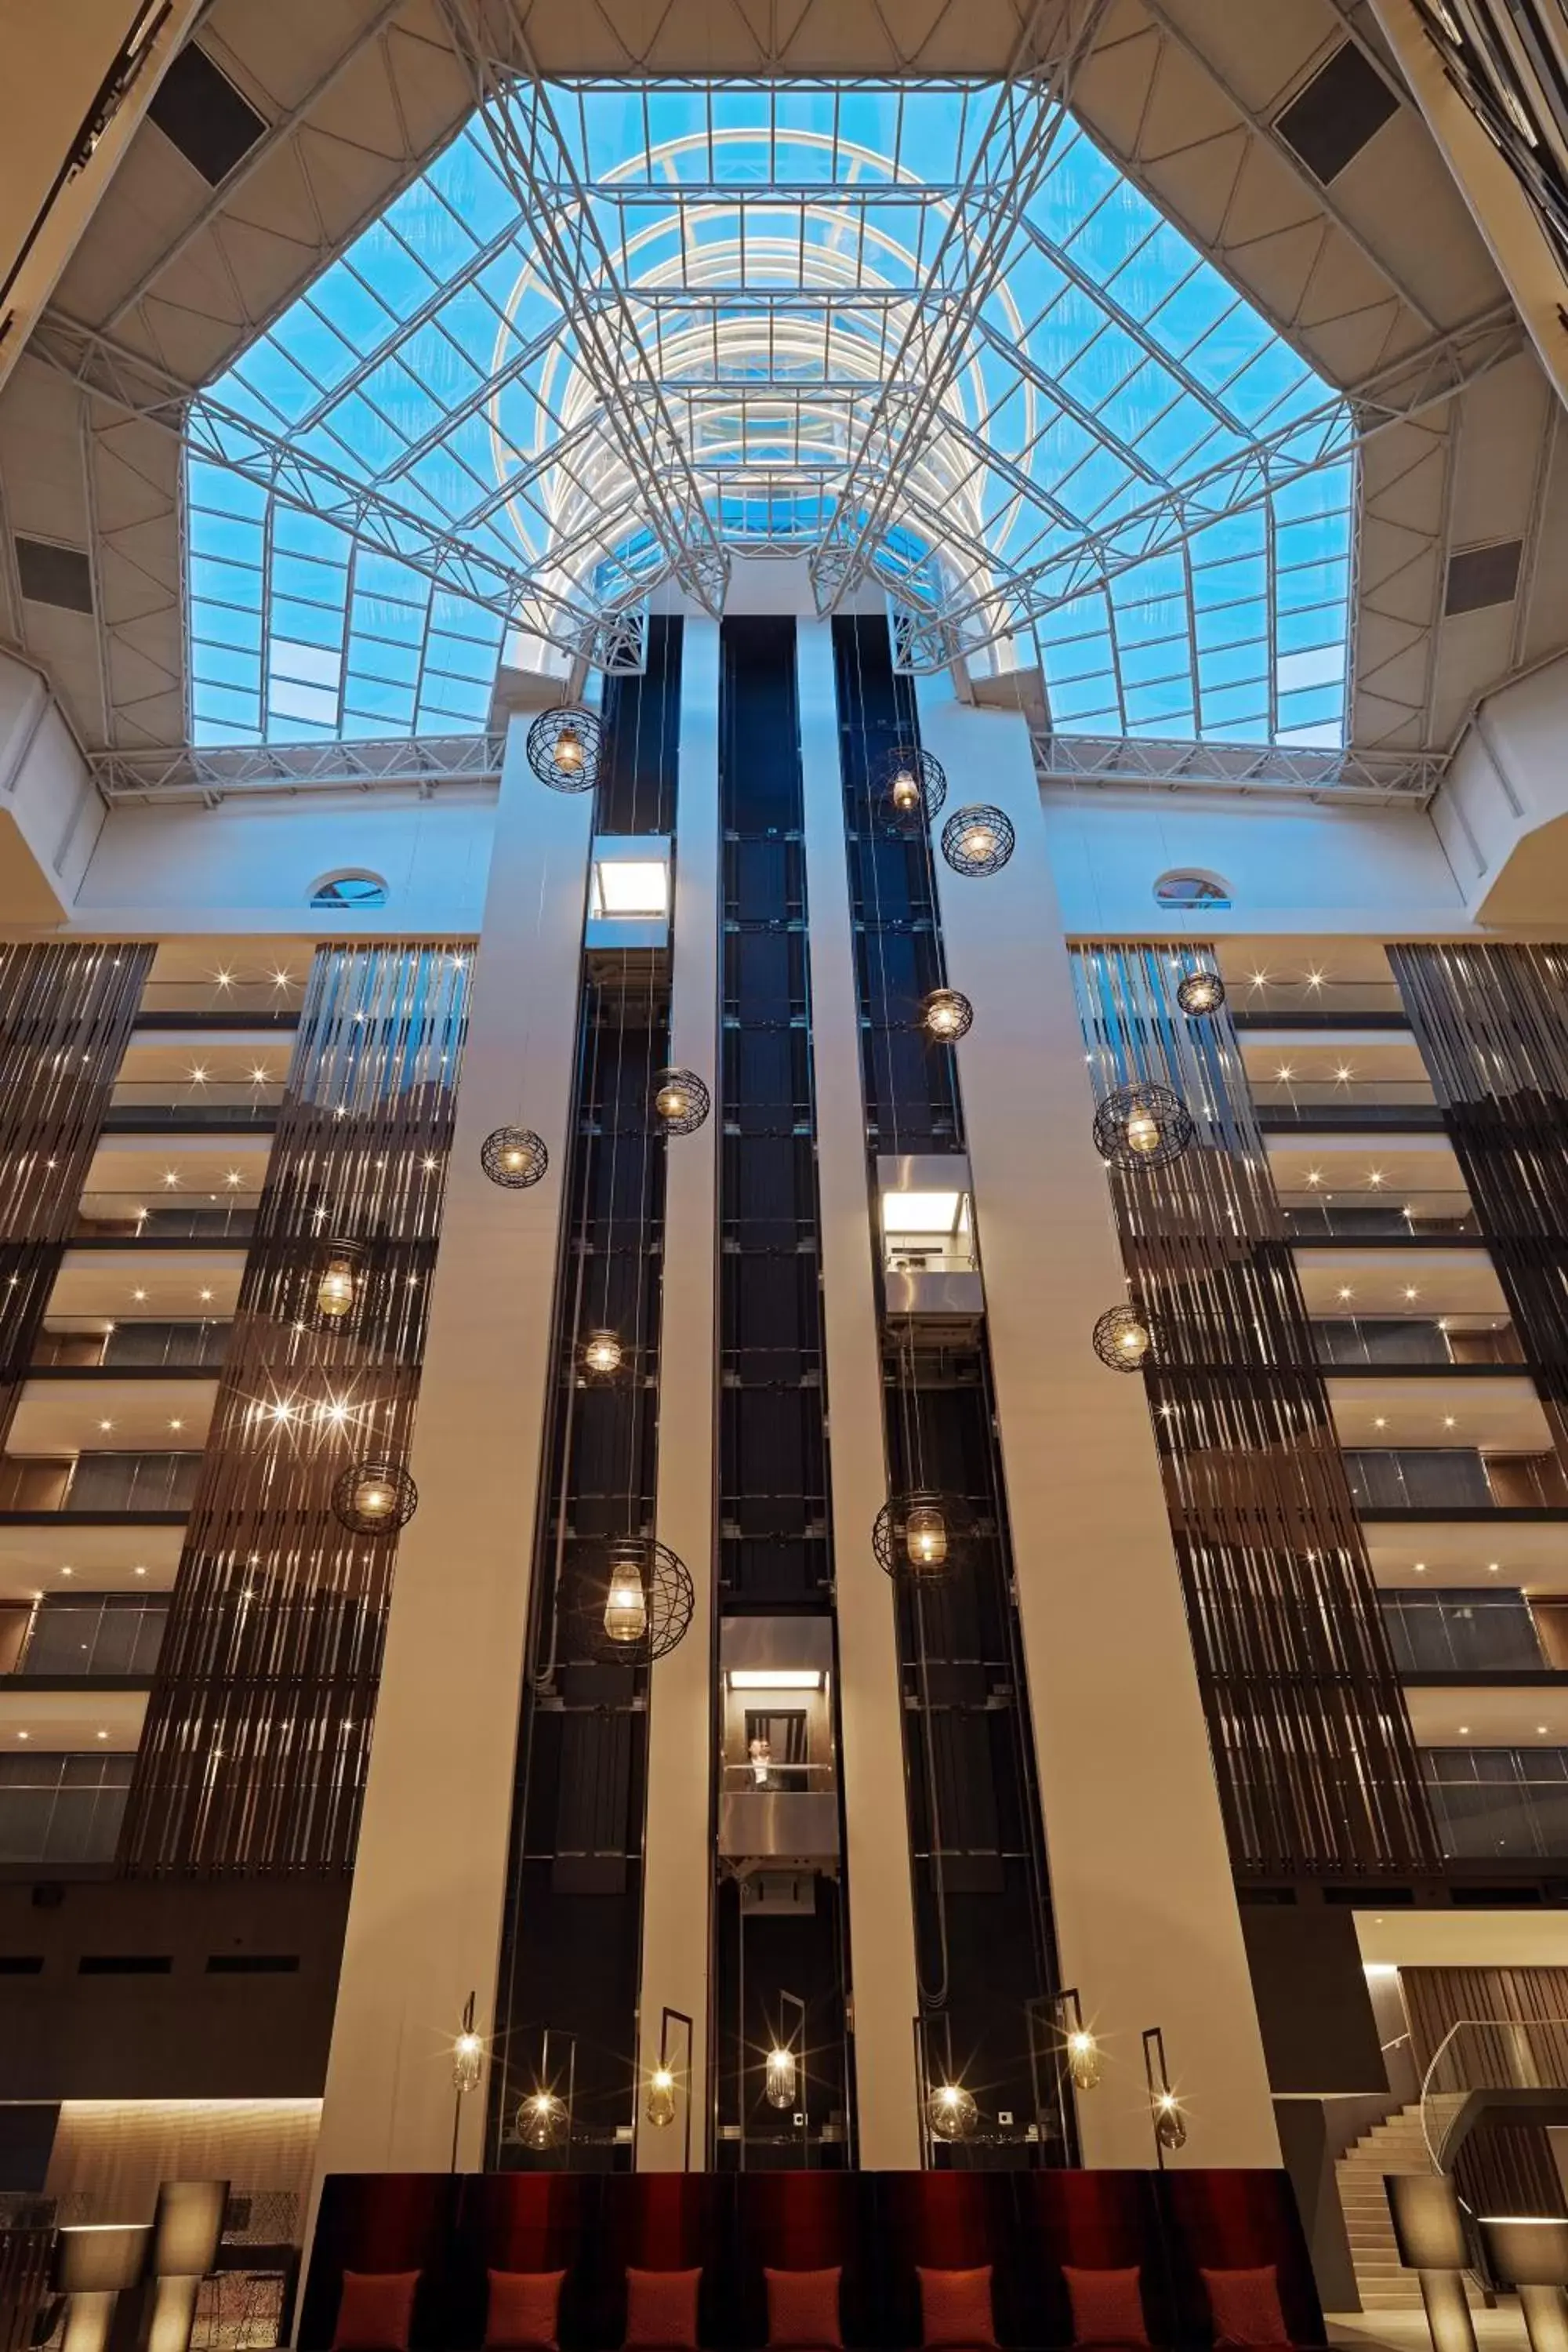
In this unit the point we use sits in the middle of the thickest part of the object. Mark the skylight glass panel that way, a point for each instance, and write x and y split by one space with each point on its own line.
432 459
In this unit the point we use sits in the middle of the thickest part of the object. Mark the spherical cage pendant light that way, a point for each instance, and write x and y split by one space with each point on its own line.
542 2119
921 1537
513 1156
1123 1339
1200 993
375 1498
1142 1126
978 840
910 786
649 1597
681 1101
950 2111
946 1015
335 1286
563 749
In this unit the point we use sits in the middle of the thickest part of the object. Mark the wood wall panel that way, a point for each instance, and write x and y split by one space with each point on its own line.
1312 1742
257 1731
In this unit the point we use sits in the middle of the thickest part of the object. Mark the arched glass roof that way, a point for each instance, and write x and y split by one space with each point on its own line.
793 300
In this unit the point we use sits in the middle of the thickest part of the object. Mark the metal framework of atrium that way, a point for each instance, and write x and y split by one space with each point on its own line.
925 335
499 337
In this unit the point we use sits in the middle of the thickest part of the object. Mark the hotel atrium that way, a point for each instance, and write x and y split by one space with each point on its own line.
784 1252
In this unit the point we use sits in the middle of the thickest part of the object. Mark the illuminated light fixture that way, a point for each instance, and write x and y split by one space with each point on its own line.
659 2107
946 1015
950 2111
1375 1176
1084 2056
337 1287
649 1597
978 840
625 889
1315 979
797 1678
468 2053
1200 992
1345 1074
139 1296
375 1498
921 1213
681 1101
1314 1175
1411 1293
1122 1339
602 1354
1345 1291
542 2119
563 749
911 787
1164 2107
920 1535
780 2076
513 1156
1144 1125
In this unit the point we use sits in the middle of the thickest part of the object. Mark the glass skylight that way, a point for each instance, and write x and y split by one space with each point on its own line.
775 255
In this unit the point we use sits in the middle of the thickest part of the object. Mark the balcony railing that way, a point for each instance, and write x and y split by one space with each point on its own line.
100 1483
81 1343
1310 1217
1462 1633
227 1216
1330 1000
61 1810
94 1633
1373 1340
166 1105
1503 1804
1438 1479
1359 1102
236 999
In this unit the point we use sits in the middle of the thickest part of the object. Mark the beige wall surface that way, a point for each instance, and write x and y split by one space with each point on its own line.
425 1919
1142 1893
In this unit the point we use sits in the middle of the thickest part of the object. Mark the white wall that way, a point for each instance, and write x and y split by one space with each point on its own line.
249 865
1502 808
1293 865
49 809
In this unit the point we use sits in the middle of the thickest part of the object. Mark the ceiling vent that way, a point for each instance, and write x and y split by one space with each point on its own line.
198 109
1333 119
54 575
1478 576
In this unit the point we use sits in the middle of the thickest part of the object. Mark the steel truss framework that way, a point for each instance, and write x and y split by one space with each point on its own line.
690 363
425 763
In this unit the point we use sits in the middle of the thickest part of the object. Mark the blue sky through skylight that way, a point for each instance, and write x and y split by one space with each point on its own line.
771 250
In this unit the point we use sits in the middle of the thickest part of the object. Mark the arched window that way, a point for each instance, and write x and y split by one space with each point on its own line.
350 893
1188 892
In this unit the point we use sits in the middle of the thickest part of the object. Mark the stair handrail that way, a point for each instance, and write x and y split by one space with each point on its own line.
1516 2029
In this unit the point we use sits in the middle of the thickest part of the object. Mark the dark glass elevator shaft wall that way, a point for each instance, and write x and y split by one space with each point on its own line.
985 1947
779 1929
567 2006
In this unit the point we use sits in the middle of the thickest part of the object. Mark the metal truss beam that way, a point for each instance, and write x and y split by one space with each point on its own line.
427 763
298 479
216 774
939 625
1013 154
571 253
1409 779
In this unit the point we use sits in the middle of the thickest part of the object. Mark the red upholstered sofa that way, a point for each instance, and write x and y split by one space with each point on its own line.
878 2229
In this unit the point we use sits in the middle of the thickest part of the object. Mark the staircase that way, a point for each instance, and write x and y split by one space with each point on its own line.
1395 2145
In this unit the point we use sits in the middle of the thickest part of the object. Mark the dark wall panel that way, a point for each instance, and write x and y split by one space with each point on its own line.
1312 1742
257 1731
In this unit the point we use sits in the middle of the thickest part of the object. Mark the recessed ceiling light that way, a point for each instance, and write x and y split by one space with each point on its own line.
261 1076
1541 1730
1345 1291
1379 1421
1314 980
1345 1074
1491 1567
1375 1176
1420 1567
171 1176
1448 1421
198 1074
1411 1291
139 1296
1464 1730
233 1177
224 979
24 1735
138 1570
1284 1071
177 1424
106 1424
103 1735
204 1295
67 1572
1314 1175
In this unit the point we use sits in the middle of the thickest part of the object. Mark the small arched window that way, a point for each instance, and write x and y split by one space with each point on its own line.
1186 891
350 893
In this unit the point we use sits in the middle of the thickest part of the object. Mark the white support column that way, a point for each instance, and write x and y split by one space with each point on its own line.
425 1922
1144 1904
678 1866
870 1701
